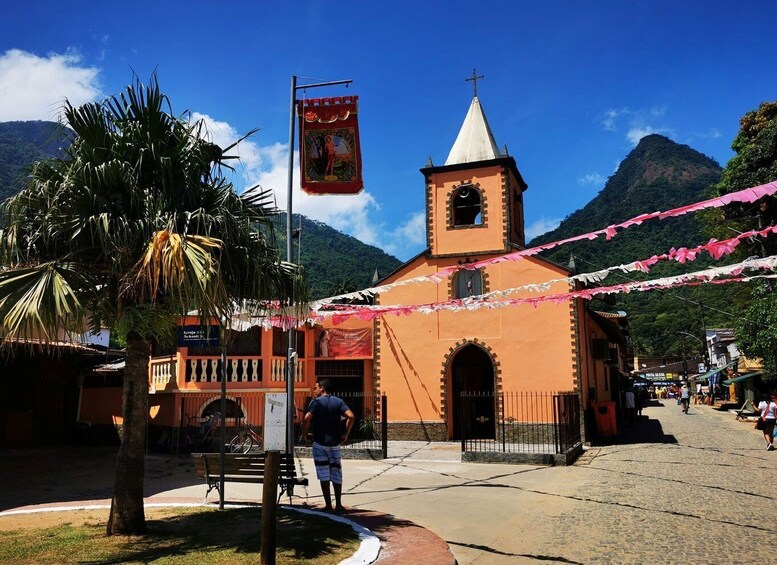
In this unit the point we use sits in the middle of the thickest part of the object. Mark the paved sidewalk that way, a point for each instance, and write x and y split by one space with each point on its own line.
678 489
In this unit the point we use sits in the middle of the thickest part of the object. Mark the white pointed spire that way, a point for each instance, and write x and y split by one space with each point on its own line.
475 141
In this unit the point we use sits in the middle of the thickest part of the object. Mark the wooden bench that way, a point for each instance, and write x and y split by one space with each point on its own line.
245 468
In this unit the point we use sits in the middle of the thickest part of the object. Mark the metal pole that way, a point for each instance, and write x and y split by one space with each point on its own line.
704 338
223 422
384 425
291 356
289 257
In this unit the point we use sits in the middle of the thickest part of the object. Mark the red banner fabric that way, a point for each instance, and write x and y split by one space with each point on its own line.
337 343
330 155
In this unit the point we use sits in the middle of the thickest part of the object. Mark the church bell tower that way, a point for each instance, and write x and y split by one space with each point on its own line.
474 202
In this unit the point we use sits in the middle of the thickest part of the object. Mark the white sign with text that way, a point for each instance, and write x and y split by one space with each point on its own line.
275 421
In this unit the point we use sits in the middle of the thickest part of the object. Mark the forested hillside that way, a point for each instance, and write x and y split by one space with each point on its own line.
22 143
658 174
334 262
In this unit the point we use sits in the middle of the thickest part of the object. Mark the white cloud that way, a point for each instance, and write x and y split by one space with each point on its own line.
409 238
591 178
610 118
639 123
268 166
33 87
636 133
657 111
541 226
712 133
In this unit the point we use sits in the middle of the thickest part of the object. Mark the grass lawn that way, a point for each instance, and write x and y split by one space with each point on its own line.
178 535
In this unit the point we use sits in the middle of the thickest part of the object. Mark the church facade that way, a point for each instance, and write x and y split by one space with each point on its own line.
423 363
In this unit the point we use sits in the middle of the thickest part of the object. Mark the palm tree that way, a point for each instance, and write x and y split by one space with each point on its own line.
135 226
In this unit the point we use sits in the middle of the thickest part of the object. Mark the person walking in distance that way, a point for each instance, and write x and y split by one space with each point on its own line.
768 410
324 414
629 405
685 397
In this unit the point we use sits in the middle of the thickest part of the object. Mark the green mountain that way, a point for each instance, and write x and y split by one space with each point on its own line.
658 174
334 262
22 143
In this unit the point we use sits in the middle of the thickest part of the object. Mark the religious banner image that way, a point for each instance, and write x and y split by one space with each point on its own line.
344 344
330 157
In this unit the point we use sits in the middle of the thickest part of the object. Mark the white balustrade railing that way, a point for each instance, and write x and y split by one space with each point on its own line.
162 372
278 370
239 369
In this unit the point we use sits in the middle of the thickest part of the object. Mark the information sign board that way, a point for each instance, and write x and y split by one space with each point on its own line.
275 421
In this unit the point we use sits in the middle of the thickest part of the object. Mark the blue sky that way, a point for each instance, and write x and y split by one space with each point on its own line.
569 87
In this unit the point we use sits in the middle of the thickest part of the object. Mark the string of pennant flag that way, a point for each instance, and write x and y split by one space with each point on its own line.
337 313
340 313
748 195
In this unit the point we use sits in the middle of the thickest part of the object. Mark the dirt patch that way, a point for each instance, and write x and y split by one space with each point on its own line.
49 519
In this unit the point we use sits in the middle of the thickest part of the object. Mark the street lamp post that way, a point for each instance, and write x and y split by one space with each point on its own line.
703 345
291 353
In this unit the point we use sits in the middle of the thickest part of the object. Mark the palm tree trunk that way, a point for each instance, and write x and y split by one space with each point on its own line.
127 515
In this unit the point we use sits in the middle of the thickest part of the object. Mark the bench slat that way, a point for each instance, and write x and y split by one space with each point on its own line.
244 468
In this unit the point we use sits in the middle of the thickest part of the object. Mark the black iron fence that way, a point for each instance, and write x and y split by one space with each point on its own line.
197 421
519 422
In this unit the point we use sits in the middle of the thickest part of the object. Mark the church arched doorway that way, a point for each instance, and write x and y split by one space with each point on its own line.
472 373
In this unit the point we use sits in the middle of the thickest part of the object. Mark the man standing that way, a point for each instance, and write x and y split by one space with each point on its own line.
325 413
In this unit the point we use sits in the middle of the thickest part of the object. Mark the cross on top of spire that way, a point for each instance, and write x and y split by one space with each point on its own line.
474 78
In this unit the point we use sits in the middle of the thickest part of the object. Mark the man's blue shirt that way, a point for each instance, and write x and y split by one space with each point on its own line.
327 412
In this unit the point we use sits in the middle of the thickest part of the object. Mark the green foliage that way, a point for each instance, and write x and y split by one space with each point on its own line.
334 261
657 175
756 329
145 319
755 163
135 214
21 144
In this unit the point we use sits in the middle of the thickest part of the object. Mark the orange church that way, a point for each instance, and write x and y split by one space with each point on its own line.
424 363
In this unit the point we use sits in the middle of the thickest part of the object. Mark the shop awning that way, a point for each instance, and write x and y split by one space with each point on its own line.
706 376
741 378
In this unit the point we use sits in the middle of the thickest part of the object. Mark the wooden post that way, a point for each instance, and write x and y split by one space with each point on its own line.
272 466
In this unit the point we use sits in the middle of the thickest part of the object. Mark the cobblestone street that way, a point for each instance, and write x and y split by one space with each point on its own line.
699 496
681 489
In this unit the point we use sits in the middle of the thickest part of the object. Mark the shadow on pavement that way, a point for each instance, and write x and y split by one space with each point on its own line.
72 473
641 430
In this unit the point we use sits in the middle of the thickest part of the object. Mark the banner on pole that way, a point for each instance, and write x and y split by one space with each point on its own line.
344 344
330 155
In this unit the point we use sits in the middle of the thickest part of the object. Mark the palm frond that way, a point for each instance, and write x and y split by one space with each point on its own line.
141 200
184 268
39 300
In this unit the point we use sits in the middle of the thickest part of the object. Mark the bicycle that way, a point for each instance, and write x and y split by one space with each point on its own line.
245 439
200 432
